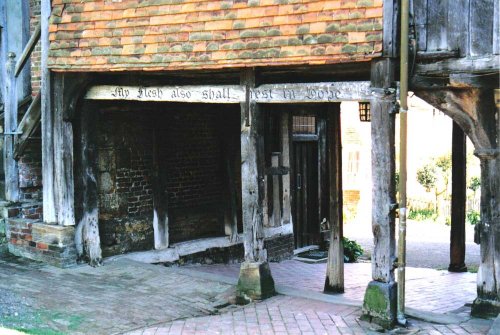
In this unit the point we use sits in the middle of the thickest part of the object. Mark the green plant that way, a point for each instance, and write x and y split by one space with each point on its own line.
352 250
474 184
421 214
426 176
473 217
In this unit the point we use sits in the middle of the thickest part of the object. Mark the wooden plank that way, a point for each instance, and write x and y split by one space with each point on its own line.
160 199
201 94
28 49
312 92
481 27
323 171
383 175
334 281
27 126
485 64
437 19
458 200
252 174
390 28
285 161
458 26
276 200
87 239
63 157
10 127
496 28
49 205
420 16
271 93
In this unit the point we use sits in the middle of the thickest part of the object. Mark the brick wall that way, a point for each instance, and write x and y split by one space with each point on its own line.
279 247
30 173
35 55
191 143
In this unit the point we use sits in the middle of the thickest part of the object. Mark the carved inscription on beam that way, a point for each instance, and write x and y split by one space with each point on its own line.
271 93
203 94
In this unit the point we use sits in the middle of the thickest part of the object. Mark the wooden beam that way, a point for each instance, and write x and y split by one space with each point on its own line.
383 175
270 93
27 126
334 281
160 198
28 49
390 29
10 128
458 200
49 202
63 156
478 65
285 161
252 175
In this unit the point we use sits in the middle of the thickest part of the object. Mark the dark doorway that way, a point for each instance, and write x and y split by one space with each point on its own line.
307 146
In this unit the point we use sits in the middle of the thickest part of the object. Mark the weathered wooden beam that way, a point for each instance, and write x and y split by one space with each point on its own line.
383 286
286 216
28 49
49 203
458 200
477 65
87 239
10 128
160 199
27 126
275 219
390 28
255 281
432 56
63 156
334 281
270 93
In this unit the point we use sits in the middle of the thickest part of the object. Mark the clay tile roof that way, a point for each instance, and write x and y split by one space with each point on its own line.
123 35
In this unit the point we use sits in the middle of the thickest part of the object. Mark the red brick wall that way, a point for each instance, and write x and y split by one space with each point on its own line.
35 55
30 172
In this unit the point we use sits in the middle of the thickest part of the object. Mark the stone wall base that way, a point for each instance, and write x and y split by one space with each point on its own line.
52 244
380 304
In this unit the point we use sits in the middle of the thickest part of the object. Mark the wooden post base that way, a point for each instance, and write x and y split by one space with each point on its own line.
380 304
484 308
255 282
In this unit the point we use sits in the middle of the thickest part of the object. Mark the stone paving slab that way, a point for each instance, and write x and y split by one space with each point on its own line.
427 289
120 296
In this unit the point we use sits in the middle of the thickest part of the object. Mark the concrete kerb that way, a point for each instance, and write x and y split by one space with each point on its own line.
495 327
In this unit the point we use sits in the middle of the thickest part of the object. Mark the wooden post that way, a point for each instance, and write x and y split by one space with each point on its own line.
49 202
160 200
383 287
87 239
487 303
10 128
62 132
334 282
255 281
276 215
285 161
458 200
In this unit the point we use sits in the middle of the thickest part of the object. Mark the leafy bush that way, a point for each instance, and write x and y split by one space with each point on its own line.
473 217
352 250
426 176
421 214
474 183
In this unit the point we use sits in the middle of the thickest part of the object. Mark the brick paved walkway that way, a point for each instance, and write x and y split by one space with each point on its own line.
290 315
427 289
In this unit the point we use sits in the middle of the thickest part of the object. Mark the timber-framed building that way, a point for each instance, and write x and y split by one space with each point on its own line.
184 126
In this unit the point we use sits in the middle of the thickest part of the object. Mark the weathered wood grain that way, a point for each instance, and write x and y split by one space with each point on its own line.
10 127
27 126
28 49
62 132
49 204
252 175
383 175
390 29
160 199
285 161
481 27
334 281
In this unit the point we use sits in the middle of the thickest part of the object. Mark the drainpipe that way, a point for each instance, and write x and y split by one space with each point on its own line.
402 161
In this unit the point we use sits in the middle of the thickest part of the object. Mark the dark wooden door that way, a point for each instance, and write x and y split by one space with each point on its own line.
305 181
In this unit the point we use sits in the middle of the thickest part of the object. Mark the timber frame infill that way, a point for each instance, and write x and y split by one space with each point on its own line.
74 89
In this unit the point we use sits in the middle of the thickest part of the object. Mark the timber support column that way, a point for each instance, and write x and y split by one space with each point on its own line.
458 199
380 299
255 281
487 303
